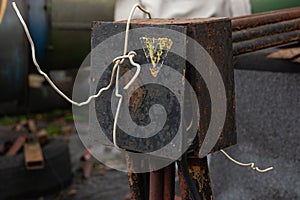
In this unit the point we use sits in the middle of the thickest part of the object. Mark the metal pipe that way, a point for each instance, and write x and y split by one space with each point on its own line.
138 184
260 19
265 42
156 185
266 30
169 182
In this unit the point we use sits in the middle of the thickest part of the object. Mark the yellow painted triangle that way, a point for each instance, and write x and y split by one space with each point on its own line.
156 50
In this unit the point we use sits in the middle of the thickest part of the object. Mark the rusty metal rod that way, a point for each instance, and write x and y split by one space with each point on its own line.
156 185
198 168
266 30
138 183
169 182
251 21
184 189
199 177
265 42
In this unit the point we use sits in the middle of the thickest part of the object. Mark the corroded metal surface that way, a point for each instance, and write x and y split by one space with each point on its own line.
266 30
198 173
184 189
263 30
144 97
169 182
156 185
214 35
251 21
138 182
198 169
137 188
215 38
265 42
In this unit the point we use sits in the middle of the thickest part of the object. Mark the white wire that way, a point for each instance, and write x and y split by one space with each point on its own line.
118 70
117 61
251 165
130 55
45 75
129 21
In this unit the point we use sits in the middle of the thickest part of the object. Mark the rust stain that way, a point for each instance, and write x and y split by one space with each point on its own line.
198 175
131 181
136 102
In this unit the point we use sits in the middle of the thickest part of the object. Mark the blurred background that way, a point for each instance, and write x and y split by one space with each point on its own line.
267 93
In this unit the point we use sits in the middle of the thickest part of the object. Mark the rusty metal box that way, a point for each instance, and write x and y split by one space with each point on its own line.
213 82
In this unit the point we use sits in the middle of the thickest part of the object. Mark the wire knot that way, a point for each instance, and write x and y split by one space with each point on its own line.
120 59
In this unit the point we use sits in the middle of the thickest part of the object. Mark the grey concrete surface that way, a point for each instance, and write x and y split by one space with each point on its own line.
268 127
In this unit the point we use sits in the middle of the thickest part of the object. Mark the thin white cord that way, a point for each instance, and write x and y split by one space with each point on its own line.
118 70
129 21
117 61
251 165
129 55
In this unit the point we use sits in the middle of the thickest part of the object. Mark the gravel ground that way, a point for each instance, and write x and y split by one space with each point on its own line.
268 124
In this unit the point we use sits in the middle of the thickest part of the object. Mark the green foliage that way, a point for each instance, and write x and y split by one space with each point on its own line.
66 116
54 130
7 121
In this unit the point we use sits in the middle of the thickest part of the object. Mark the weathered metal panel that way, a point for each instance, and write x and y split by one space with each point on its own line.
214 35
146 96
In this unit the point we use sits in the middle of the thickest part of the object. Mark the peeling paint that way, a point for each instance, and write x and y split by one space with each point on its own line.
156 50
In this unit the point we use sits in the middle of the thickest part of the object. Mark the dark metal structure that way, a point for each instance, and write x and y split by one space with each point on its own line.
249 33
214 35
263 30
